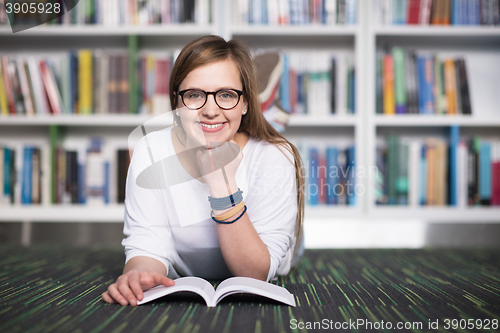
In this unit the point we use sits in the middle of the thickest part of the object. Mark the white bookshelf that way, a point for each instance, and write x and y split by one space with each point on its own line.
481 44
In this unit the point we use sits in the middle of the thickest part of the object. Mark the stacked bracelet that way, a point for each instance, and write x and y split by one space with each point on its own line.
229 222
226 202
227 215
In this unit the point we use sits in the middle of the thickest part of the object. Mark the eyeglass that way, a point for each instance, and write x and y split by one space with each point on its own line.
195 99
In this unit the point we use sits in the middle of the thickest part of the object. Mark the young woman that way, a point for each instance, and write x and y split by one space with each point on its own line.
233 204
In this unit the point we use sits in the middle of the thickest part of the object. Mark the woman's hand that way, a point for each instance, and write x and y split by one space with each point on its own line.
129 287
211 163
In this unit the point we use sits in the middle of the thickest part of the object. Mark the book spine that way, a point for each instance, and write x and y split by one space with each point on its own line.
399 80
85 65
36 177
27 173
8 86
314 177
414 11
351 175
4 105
380 176
454 146
389 98
423 175
414 173
332 177
485 173
402 175
392 168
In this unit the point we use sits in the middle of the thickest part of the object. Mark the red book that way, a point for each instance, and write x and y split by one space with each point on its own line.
51 88
8 85
414 12
495 183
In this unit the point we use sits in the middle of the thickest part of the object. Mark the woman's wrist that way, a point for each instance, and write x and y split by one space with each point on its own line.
222 189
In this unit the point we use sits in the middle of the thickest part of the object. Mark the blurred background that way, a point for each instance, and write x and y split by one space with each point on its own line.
392 104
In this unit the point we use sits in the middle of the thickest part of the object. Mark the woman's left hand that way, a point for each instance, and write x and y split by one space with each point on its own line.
211 162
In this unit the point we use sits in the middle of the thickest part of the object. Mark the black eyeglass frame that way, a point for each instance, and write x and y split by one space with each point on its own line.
214 93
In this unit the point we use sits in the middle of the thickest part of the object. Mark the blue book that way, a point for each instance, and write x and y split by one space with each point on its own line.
351 175
423 176
81 184
73 74
485 173
473 10
455 12
106 185
27 179
7 172
332 175
425 70
313 188
284 86
454 142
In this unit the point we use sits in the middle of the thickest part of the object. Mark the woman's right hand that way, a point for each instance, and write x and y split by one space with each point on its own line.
129 287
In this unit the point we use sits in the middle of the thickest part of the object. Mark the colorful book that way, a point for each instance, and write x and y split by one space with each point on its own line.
389 98
399 80
85 83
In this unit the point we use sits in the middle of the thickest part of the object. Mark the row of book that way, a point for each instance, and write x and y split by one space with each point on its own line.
330 174
462 172
99 82
121 13
295 12
438 12
408 82
84 82
38 174
318 83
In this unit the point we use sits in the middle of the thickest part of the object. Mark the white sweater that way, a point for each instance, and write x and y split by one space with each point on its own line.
172 223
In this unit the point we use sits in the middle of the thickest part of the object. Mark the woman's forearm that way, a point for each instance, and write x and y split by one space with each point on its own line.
145 264
244 251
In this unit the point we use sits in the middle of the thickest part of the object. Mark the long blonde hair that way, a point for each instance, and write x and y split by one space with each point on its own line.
209 49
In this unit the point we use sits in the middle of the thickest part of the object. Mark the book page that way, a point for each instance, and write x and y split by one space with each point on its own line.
253 286
189 283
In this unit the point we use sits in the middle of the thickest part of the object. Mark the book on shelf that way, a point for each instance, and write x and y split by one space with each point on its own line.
84 82
318 83
437 172
409 82
330 173
295 12
83 173
437 12
230 286
111 13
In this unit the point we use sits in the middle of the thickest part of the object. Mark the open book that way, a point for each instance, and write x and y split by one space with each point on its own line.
225 288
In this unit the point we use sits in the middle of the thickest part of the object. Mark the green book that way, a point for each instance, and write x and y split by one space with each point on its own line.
392 167
133 49
398 56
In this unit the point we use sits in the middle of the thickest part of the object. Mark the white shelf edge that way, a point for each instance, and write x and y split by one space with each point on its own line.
114 213
300 30
444 31
333 120
101 30
63 213
77 120
439 214
434 120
